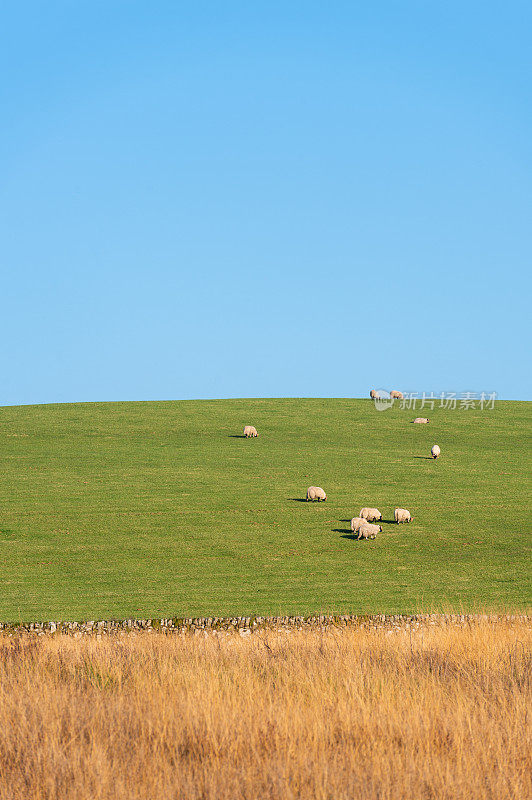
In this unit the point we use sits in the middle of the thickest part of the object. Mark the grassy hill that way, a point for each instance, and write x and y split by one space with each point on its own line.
162 509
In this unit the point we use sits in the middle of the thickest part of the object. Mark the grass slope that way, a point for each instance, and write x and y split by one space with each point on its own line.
161 509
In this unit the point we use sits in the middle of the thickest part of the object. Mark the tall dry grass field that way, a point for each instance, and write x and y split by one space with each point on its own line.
440 713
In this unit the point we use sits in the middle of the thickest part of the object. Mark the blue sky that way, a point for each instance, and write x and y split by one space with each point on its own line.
264 199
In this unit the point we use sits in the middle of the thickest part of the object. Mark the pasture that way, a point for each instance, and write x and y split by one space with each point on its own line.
152 509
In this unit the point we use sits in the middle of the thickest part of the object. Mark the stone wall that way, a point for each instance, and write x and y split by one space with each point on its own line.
247 625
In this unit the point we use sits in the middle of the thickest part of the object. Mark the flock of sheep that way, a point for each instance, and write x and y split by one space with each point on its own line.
395 394
364 523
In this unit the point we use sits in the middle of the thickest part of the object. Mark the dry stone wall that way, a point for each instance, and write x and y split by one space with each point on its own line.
247 625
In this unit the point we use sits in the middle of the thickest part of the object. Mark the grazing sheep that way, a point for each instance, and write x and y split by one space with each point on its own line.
316 493
370 514
435 452
374 394
396 395
402 515
420 420
356 523
368 531
249 430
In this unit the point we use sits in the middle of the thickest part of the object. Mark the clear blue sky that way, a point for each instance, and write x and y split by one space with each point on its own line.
233 199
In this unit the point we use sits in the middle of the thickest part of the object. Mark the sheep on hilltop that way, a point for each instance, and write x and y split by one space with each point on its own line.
402 515
370 514
316 493
369 531
356 523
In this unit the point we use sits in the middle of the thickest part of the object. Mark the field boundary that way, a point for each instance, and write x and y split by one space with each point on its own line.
248 625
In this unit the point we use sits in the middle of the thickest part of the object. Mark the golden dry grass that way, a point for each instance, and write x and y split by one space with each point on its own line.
340 714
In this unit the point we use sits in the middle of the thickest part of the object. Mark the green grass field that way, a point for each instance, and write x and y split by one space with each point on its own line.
161 509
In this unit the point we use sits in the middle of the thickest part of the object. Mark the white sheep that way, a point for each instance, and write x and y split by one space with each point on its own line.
368 531
316 493
420 420
374 394
356 523
402 515
395 394
435 452
249 430
370 514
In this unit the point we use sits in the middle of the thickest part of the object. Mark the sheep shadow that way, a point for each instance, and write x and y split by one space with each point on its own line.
344 530
354 537
386 522
429 458
299 499
237 436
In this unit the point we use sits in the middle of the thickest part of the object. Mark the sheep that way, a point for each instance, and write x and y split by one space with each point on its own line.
402 515
316 493
395 394
368 531
435 452
420 420
356 523
374 394
249 430
370 514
